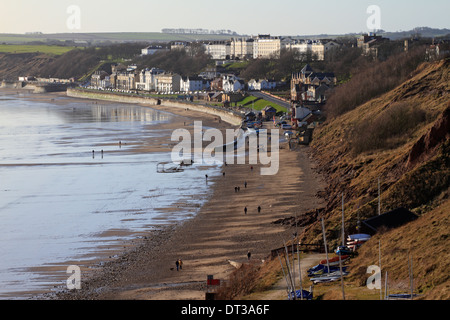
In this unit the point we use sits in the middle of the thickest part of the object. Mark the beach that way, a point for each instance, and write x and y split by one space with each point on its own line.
215 234
220 233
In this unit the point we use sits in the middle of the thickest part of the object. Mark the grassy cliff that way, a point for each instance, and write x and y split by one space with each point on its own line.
401 138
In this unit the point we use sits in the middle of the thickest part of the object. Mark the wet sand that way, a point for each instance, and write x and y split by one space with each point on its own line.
219 233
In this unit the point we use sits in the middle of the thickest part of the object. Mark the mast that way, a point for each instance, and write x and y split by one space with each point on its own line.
285 277
379 197
343 243
286 257
325 244
299 273
343 231
342 276
386 297
379 262
298 260
411 277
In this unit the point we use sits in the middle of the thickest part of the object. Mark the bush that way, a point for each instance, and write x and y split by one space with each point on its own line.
386 130
373 80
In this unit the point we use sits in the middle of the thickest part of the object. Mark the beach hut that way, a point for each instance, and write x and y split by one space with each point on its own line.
269 112
250 116
391 219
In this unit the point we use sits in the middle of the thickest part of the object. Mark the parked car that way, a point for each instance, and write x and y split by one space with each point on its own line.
286 126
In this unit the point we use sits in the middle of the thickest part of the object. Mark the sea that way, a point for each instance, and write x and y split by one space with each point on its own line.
73 187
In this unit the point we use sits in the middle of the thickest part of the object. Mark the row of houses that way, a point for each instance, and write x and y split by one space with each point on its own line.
258 47
155 79
309 91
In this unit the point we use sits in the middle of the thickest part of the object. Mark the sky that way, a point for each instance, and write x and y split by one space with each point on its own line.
251 17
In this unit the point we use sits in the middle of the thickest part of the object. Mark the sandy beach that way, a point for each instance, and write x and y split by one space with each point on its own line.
219 233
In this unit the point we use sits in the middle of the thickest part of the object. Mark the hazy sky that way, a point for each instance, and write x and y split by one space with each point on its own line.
277 17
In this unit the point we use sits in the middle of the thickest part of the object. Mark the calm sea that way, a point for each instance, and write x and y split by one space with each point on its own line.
61 204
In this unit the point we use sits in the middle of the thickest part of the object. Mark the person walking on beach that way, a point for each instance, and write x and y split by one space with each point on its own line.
245 210
259 209
181 264
249 254
245 184
206 177
177 263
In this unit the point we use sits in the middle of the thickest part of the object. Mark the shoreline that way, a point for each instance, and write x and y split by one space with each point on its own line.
144 268
218 234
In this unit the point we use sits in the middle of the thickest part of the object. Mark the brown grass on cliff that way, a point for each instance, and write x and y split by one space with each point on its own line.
412 163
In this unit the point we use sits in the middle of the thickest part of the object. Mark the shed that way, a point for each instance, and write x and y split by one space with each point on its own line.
391 219
268 112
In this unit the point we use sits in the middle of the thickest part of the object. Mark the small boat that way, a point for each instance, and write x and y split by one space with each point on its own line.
329 277
161 168
306 294
343 250
356 242
335 261
401 296
323 269
358 236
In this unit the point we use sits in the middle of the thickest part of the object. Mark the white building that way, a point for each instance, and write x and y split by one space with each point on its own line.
265 46
316 48
168 82
241 48
218 50
230 85
153 50
261 84
191 84
147 79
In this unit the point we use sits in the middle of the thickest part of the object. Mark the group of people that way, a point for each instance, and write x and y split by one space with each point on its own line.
179 264
245 209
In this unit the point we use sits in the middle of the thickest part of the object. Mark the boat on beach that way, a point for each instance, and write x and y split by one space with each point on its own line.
344 250
358 237
163 168
329 277
335 261
323 269
302 294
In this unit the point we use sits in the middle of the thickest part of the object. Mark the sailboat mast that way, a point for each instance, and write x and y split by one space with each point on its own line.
325 243
343 231
379 197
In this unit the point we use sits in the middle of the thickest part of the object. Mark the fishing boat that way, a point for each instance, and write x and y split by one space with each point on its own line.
335 261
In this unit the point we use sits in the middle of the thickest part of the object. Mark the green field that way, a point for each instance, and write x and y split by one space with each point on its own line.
25 48
259 104
100 37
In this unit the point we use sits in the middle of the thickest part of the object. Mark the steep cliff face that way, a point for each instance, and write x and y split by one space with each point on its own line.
13 65
400 140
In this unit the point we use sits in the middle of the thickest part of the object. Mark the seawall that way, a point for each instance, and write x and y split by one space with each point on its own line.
36 87
228 116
